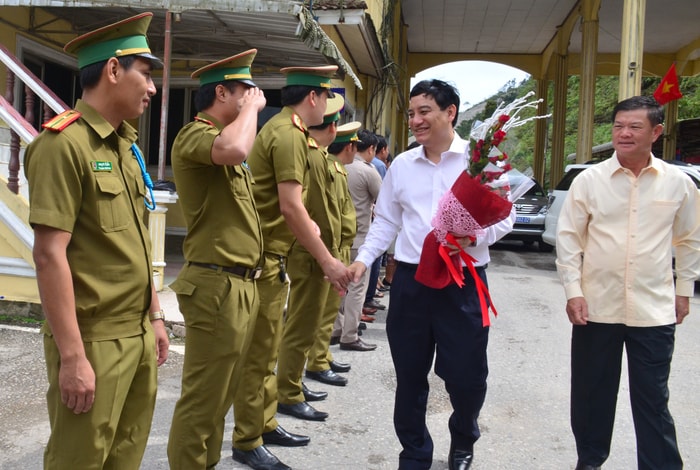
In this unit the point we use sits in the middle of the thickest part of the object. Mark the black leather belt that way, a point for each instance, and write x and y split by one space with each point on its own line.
241 271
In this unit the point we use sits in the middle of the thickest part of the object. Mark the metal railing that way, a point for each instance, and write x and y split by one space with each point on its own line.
23 127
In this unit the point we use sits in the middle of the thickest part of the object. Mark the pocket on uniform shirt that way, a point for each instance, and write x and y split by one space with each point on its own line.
112 205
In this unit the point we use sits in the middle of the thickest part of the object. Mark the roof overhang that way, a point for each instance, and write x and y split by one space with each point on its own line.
284 32
358 35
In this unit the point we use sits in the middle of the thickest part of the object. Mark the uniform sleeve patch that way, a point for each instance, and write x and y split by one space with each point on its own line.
61 121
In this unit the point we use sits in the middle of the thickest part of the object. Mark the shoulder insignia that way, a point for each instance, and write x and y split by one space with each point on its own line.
298 123
205 121
61 121
312 142
339 168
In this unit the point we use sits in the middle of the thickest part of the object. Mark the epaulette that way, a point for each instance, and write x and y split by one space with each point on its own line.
298 123
61 121
339 168
312 142
205 121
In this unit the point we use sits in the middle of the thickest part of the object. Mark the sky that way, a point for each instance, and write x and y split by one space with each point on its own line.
475 80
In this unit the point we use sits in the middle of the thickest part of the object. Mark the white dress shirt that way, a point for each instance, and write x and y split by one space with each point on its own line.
614 239
409 199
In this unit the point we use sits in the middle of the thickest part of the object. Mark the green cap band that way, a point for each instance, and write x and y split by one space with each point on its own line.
308 79
331 118
342 139
227 73
124 46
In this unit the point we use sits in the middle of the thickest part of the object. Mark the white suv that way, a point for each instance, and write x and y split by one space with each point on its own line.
558 195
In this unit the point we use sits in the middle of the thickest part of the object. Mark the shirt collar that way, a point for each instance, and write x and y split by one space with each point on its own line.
458 147
100 125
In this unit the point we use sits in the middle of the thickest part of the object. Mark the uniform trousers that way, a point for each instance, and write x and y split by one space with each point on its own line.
445 325
596 359
217 308
320 356
113 434
351 308
255 399
307 297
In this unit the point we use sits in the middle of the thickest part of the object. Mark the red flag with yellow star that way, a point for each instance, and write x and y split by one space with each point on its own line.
668 89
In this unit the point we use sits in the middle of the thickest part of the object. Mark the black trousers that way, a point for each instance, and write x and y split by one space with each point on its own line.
596 358
444 325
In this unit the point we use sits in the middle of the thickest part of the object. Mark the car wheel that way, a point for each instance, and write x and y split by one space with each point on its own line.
545 247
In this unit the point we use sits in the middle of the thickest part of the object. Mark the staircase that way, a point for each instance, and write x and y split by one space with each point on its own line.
17 274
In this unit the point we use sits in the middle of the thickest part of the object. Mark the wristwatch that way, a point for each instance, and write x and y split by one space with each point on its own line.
159 315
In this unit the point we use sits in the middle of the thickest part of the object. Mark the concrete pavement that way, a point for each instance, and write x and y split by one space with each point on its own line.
524 421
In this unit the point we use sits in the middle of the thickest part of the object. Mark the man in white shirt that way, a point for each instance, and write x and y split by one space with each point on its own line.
614 239
422 320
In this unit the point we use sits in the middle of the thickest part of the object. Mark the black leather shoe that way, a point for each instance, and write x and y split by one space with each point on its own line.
583 466
282 437
374 304
459 459
339 366
259 459
310 395
335 340
327 376
362 326
302 411
358 345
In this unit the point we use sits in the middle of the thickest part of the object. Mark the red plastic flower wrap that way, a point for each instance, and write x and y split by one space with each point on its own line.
481 196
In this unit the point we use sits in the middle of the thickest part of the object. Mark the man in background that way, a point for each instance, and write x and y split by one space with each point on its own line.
104 334
278 163
615 235
216 288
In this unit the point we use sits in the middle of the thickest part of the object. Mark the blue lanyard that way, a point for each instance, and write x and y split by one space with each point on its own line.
150 205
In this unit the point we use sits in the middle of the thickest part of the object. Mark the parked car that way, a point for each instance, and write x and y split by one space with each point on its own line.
558 195
530 210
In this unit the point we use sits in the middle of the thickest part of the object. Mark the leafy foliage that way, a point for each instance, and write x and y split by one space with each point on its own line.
521 141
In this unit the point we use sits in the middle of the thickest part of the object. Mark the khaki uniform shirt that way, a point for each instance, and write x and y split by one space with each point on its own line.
223 227
85 180
280 153
340 200
317 199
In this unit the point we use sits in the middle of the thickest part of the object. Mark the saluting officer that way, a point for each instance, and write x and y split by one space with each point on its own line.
279 164
104 335
308 289
340 153
216 288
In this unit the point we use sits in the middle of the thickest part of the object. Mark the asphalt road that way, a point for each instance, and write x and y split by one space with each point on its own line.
524 421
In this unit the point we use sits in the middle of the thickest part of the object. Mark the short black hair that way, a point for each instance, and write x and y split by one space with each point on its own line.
655 112
204 97
381 143
368 139
443 93
336 147
90 74
295 94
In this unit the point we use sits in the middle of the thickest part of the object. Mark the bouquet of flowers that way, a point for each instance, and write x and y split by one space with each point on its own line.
481 196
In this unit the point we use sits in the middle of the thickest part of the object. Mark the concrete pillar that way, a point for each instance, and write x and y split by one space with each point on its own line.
631 48
156 230
588 76
541 132
561 85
